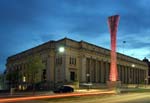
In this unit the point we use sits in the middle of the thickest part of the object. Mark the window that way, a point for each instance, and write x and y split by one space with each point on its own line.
59 60
72 61
44 74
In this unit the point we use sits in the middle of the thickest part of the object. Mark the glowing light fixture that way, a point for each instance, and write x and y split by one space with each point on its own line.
61 49
132 65
24 79
19 87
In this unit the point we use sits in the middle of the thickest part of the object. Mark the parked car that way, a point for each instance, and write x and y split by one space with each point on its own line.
64 89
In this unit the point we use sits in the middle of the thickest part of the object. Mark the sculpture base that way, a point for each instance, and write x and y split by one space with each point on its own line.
113 84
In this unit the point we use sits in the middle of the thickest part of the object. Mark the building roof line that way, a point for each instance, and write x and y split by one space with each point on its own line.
66 38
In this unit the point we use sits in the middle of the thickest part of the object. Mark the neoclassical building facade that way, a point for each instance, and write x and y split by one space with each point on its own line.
67 60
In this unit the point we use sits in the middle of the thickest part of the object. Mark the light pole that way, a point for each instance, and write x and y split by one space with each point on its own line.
146 81
88 79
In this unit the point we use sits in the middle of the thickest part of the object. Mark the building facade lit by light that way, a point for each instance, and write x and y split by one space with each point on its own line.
78 61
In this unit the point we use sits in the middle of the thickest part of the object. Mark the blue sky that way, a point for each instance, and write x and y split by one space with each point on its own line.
28 23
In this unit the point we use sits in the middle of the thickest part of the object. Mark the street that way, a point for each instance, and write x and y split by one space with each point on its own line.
121 98
56 96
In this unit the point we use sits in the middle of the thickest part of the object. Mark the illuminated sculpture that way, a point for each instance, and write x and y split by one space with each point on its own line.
113 25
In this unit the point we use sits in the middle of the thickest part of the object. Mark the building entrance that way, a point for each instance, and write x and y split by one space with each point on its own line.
72 76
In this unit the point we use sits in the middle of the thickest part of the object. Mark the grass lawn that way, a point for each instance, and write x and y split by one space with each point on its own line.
135 90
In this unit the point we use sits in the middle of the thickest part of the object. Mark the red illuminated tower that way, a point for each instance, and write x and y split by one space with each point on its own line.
113 25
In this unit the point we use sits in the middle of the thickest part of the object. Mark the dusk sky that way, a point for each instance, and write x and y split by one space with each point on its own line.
27 23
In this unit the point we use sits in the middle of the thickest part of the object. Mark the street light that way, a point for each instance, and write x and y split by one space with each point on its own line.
88 75
146 81
133 65
61 49
88 81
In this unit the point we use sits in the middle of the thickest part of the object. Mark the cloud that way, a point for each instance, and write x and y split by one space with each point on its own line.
28 23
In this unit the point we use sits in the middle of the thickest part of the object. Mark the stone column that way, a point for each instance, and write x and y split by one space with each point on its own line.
136 76
121 73
131 75
134 71
102 72
126 74
97 72
140 76
48 69
52 65
129 78
118 67
83 69
145 77
94 71
122 69
51 74
107 71
104 64
90 70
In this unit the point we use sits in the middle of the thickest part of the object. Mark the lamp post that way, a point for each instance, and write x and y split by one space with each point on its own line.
88 80
146 81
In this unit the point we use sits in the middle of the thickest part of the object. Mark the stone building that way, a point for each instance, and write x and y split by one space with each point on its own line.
148 63
68 60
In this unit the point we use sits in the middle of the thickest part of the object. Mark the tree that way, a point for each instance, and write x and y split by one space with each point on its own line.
13 77
1 81
33 70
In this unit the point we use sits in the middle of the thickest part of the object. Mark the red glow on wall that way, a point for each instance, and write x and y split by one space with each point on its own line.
113 25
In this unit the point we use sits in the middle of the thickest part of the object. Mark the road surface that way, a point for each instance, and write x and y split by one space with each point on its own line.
122 98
